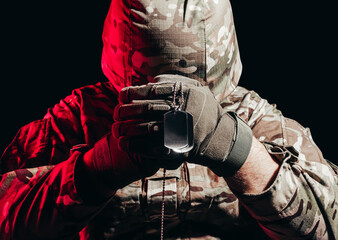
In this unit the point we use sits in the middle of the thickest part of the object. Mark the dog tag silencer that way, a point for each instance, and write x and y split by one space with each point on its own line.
178 131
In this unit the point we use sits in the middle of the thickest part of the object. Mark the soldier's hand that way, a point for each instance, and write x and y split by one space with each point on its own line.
139 124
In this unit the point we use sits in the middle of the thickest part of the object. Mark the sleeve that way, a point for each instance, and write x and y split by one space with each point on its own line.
302 201
37 190
46 141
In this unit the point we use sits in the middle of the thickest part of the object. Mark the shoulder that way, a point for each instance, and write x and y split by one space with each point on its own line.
270 125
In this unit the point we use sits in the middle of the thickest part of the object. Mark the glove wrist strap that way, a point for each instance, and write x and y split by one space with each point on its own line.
229 156
241 147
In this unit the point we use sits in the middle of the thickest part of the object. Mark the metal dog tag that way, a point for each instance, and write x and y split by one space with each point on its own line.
178 131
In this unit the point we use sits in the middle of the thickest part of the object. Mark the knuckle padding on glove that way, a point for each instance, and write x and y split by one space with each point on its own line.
140 110
127 95
135 92
229 156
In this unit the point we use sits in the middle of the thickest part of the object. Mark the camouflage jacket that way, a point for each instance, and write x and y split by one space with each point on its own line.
39 198
142 39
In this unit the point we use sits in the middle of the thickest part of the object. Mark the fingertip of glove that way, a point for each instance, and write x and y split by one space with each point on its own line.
124 95
123 144
116 115
116 130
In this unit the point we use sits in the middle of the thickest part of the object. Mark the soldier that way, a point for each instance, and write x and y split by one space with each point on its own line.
95 167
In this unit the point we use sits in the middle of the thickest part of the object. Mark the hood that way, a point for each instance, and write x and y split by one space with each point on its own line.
193 38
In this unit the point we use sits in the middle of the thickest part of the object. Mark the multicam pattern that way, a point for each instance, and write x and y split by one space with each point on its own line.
142 39
300 203
195 38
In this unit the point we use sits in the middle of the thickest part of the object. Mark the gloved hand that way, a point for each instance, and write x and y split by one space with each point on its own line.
105 168
222 141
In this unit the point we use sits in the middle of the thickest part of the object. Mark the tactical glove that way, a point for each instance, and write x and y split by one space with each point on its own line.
105 169
222 141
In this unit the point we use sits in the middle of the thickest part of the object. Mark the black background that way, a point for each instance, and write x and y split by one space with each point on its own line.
288 49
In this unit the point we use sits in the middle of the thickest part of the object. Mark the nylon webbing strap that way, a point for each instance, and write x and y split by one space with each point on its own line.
240 148
229 155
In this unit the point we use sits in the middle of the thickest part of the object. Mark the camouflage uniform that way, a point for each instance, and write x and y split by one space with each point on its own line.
193 38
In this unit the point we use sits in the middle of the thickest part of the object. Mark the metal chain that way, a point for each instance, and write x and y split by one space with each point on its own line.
174 97
164 170
162 205
182 96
